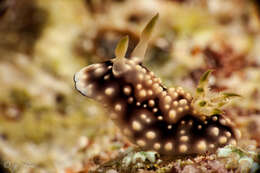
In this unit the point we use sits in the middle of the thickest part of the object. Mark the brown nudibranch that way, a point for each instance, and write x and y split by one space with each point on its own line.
149 114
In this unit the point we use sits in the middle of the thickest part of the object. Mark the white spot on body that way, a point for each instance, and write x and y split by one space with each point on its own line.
157 146
215 131
138 86
150 135
151 103
172 114
118 107
183 102
130 100
141 142
127 90
136 125
184 138
142 93
107 77
202 146
222 140
143 116
160 118
99 71
109 91
168 146
183 148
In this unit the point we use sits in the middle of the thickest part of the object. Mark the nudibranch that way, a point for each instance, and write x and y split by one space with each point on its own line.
150 115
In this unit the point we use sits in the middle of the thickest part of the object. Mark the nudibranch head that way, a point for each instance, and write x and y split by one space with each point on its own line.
149 114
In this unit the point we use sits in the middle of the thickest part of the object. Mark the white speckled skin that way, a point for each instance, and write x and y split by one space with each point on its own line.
150 115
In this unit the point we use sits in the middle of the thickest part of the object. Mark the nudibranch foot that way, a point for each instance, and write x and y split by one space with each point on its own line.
150 115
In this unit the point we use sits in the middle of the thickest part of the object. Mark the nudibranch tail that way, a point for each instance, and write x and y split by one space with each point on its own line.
150 115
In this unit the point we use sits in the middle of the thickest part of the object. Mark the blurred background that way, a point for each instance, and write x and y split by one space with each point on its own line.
47 126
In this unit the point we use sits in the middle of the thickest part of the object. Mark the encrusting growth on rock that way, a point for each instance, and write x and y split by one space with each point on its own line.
149 114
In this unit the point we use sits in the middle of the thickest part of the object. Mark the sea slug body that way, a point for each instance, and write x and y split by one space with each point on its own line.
150 115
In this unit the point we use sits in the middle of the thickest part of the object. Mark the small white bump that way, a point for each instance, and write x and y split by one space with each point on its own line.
180 110
149 82
138 104
130 100
143 116
223 121
175 95
188 96
211 145
175 103
150 92
118 107
140 76
109 67
150 135
190 122
107 77
136 125
222 139
147 77
141 142
145 105
127 90
142 93
166 106
215 131
148 120
169 127
233 142
156 79
199 127
151 103
184 138
215 118
157 146
160 118
202 146
172 114
99 71
182 132
182 122
228 134
139 86
186 107
168 146
138 67
183 102
183 148
167 99
109 91
155 110
164 93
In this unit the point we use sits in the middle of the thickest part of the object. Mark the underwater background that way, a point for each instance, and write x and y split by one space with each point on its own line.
47 126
